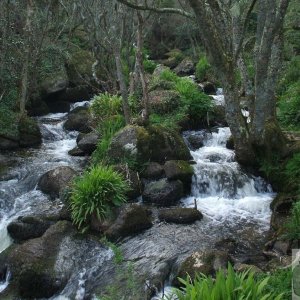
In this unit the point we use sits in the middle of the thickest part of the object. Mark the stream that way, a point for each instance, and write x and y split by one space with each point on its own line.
234 204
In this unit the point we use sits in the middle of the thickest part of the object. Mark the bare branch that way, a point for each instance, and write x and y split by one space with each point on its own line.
177 11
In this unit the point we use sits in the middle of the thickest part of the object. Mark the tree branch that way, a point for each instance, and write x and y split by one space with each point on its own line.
177 11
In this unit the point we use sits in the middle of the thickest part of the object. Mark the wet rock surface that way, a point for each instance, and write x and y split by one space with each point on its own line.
180 215
88 143
55 181
78 120
163 192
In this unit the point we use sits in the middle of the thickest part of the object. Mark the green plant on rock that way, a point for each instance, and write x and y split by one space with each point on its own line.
96 193
228 285
106 106
107 130
293 225
292 171
203 68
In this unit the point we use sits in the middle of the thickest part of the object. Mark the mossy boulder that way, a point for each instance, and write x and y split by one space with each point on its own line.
153 171
185 68
283 203
132 219
163 101
59 107
76 152
88 143
179 169
56 181
205 262
230 143
30 134
78 119
152 143
180 215
33 263
29 227
163 192
159 70
173 58
54 82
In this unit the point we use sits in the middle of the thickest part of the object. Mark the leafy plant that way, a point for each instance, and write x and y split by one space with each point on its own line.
118 255
292 171
280 282
149 65
95 193
107 130
203 68
230 286
105 106
293 224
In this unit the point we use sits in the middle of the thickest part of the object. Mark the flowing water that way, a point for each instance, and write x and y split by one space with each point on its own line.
233 202
18 193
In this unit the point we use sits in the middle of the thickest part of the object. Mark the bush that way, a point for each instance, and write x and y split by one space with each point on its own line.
149 66
203 69
96 193
293 225
107 130
289 106
234 286
106 106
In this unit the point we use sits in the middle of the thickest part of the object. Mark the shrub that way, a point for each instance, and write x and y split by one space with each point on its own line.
107 130
149 66
289 106
105 106
234 286
95 193
203 68
293 224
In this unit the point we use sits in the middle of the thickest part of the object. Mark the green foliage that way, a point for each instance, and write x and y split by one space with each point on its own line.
230 286
280 282
292 168
194 104
289 106
105 106
293 224
107 130
95 193
149 65
9 122
203 69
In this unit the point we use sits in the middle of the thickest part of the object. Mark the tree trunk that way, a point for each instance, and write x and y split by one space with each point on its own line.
123 88
140 67
25 68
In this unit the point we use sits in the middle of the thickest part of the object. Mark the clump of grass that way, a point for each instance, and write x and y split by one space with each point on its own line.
226 286
96 193
203 69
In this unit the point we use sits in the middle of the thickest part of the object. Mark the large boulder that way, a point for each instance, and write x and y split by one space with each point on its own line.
163 192
153 143
55 181
208 88
78 119
205 262
88 143
59 107
153 171
33 263
185 68
163 101
30 134
55 82
132 219
179 169
76 152
25 228
180 215
159 70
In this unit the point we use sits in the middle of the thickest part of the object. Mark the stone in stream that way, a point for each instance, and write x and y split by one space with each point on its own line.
208 88
179 169
55 181
88 143
152 143
59 106
34 263
25 228
180 215
153 171
78 119
76 152
163 192
206 262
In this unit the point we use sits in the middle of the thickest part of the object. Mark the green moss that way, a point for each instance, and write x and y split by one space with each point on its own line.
9 121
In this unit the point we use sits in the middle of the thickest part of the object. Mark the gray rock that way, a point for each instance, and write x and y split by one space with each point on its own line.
88 143
55 181
163 101
185 68
153 171
25 228
76 152
78 119
163 192
180 215
208 88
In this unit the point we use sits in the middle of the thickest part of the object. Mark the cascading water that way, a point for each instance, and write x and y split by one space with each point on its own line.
18 193
223 191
